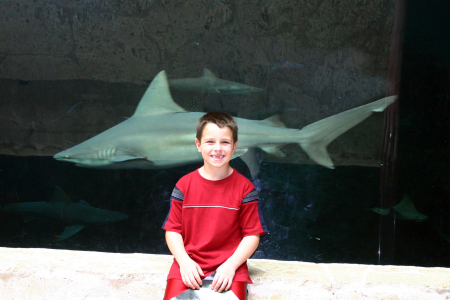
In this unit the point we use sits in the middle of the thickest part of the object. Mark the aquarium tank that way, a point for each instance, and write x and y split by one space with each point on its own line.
342 109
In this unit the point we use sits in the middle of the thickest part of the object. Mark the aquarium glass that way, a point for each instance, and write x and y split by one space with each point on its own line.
302 79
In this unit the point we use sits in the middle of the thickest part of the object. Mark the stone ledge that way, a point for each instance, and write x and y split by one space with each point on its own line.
64 274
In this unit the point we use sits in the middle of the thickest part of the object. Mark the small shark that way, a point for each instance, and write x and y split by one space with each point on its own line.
161 134
406 210
208 83
60 209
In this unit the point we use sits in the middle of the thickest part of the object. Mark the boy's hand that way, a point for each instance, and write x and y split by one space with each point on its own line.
226 271
190 271
223 278
190 274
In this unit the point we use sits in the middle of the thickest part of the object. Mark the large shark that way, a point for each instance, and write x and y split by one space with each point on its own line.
60 209
208 83
161 134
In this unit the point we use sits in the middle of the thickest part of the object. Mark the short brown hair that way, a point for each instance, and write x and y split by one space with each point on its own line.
219 118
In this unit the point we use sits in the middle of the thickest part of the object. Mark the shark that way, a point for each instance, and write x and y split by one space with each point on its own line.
61 209
161 134
209 83
406 210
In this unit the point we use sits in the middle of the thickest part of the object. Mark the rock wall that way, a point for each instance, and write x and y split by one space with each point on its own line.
71 69
133 40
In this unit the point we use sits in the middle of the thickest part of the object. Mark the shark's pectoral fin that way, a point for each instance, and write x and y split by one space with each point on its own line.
381 211
442 233
239 152
68 232
274 150
252 162
126 158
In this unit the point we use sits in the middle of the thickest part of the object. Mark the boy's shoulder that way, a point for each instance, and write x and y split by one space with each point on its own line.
245 184
242 178
195 176
236 182
187 178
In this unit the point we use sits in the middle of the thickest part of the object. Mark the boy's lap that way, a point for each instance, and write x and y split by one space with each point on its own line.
175 287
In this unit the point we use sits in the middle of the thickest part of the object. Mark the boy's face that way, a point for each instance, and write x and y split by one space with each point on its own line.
216 145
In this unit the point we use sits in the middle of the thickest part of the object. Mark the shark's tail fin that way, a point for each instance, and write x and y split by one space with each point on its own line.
317 136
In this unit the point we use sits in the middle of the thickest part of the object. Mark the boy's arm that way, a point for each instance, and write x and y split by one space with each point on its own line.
189 269
225 272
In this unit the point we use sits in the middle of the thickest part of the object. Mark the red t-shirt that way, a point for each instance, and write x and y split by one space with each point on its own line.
213 217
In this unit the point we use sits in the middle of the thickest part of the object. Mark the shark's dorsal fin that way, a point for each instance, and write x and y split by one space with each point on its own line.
407 209
60 196
274 121
405 205
157 100
82 202
208 74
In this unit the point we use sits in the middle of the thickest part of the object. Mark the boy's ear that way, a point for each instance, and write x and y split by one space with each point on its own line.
235 146
197 143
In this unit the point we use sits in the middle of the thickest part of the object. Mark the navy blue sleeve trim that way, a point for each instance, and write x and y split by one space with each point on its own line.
177 194
252 196
261 219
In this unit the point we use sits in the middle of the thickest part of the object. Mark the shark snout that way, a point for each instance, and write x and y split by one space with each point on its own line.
63 155
60 156
118 216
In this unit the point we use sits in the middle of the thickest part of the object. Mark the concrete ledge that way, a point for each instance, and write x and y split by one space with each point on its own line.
63 274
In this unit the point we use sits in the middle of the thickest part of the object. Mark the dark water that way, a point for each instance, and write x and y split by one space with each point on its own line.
313 214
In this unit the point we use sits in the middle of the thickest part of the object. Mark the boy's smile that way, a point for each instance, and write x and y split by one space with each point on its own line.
216 146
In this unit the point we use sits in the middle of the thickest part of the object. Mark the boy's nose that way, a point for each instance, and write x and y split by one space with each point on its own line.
217 146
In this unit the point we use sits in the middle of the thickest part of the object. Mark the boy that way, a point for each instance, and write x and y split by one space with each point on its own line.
214 222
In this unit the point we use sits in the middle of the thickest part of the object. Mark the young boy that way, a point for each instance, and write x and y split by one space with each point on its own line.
214 222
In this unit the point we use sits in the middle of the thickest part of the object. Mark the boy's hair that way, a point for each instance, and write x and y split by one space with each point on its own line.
219 118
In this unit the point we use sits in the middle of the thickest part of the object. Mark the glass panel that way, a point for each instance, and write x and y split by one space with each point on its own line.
72 71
